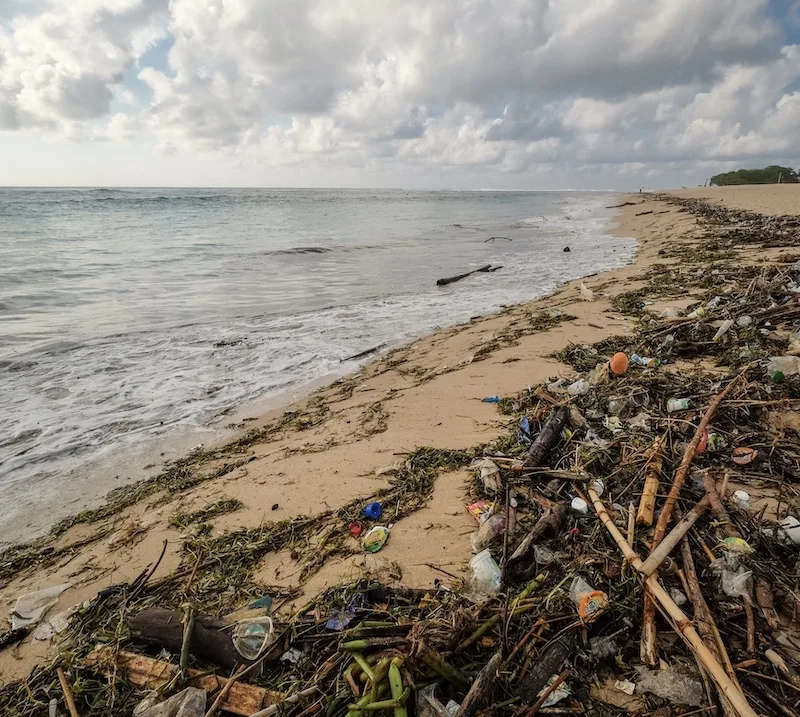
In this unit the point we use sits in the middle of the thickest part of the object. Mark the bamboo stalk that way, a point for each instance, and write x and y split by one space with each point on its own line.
647 504
728 690
294 699
665 547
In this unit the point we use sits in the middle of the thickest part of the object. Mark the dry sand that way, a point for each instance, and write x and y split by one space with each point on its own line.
425 394
774 199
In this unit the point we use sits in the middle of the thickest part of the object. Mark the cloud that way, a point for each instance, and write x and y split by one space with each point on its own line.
510 86
61 63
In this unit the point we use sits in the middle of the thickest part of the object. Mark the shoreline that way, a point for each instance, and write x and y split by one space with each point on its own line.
126 464
341 443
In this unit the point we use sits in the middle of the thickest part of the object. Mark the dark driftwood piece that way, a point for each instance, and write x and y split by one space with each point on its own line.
548 664
547 438
209 642
521 565
480 693
458 277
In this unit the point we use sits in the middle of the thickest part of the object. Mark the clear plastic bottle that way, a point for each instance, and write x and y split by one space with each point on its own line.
589 602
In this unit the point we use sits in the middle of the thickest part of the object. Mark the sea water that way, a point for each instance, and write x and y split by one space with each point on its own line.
137 319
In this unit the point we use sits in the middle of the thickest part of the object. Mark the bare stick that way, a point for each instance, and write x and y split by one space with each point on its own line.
688 456
62 678
751 624
149 575
274 709
631 525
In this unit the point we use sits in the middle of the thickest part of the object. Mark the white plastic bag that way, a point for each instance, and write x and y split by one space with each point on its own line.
490 474
31 608
490 528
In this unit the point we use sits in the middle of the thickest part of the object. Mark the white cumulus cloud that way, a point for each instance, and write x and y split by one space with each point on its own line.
509 86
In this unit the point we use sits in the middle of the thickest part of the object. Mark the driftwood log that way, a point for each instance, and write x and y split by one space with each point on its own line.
458 277
547 438
480 693
209 641
521 565
150 673
546 666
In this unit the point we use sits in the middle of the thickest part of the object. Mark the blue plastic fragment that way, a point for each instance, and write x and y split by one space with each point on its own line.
491 399
373 511
525 429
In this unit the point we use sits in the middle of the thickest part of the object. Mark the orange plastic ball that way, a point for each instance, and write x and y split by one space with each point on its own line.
618 364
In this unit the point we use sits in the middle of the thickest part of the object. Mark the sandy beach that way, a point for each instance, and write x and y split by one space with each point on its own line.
342 444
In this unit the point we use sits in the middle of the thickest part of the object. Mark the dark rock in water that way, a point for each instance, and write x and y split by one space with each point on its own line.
567 249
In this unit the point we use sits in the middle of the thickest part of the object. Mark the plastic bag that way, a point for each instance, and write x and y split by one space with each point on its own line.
542 555
580 388
251 637
786 365
677 687
375 539
486 576
493 526
490 474
736 584
32 607
191 702
54 625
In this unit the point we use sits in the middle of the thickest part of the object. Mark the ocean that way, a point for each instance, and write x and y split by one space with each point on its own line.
134 321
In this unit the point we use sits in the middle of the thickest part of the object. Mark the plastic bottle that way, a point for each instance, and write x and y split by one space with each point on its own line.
789 530
579 505
698 313
677 404
251 637
722 330
580 388
589 602
485 574
742 499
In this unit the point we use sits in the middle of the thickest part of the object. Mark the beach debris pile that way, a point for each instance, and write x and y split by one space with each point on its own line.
635 547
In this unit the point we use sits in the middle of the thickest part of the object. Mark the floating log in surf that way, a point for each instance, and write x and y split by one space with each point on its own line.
458 277
362 354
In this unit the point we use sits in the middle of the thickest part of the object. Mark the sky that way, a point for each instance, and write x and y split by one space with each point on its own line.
462 94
